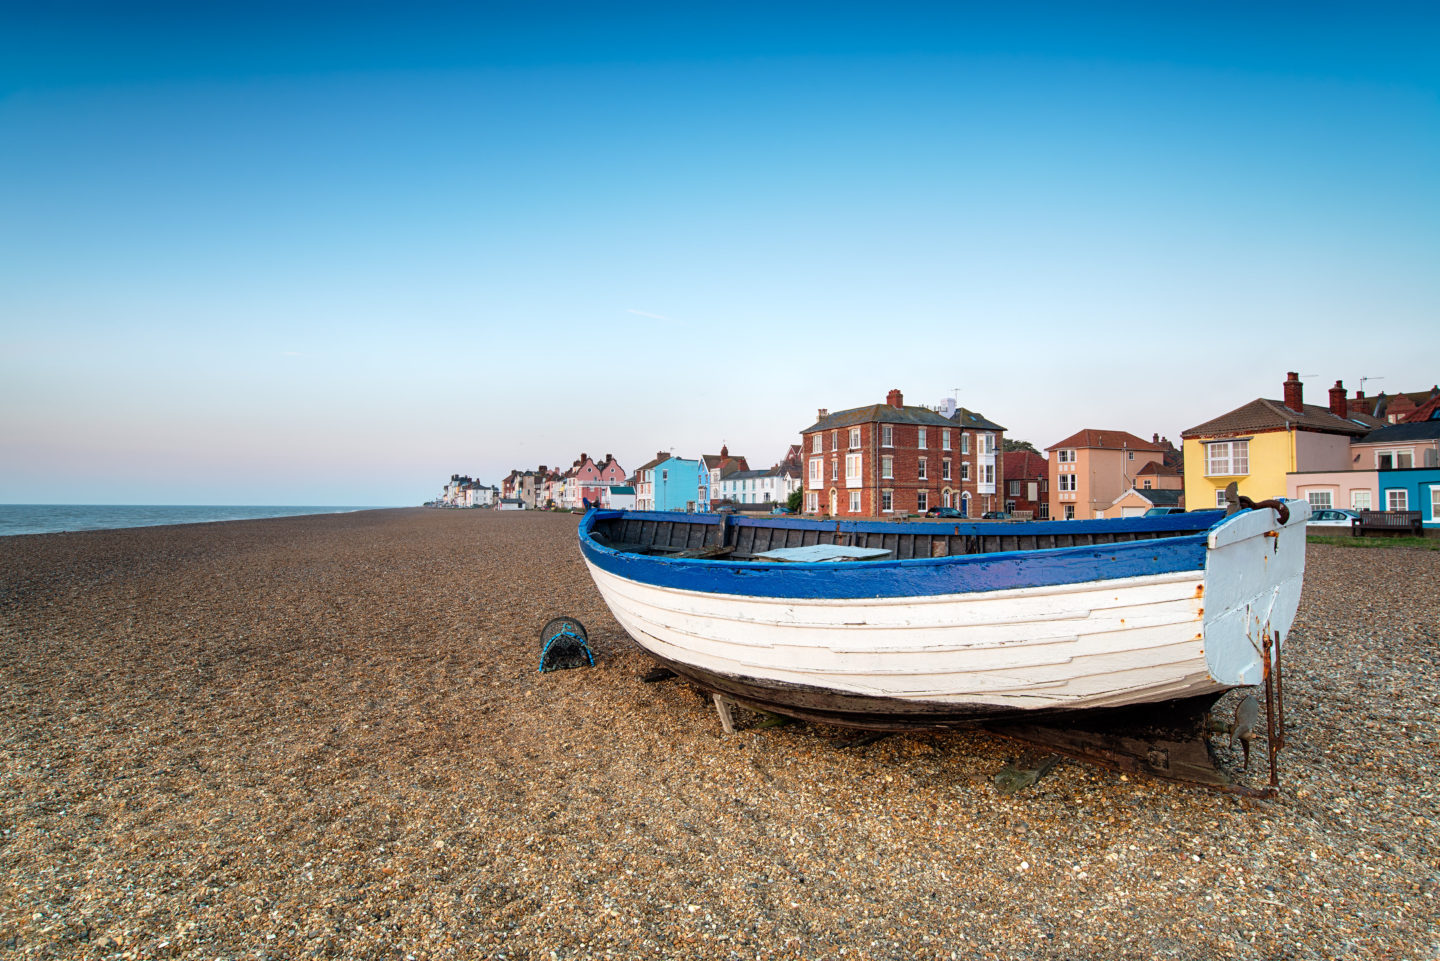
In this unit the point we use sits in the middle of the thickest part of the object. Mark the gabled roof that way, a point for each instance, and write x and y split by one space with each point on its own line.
1156 496
648 465
622 490
1401 433
974 420
1159 468
1106 440
1262 415
1019 464
879 414
723 461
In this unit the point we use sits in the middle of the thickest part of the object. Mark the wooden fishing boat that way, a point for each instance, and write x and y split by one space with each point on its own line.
888 625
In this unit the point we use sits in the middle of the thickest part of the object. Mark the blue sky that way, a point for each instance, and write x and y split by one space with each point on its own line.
288 254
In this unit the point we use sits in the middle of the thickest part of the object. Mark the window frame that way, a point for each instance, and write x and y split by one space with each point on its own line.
1235 461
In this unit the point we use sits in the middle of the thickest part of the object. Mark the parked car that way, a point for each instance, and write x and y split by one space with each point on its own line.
943 512
1162 511
1331 517
995 516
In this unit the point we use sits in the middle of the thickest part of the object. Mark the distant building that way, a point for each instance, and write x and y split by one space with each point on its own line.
1256 445
892 459
673 484
1027 484
618 497
1136 501
713 467
758 487
1091 468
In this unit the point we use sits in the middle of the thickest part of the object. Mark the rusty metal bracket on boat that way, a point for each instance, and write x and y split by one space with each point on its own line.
1236 501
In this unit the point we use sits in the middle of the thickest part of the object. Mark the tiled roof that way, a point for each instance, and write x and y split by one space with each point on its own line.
653 463
725 463
1106 440
1430 410
879 414
1156 467
1400 433
1018 464
1162 498
974 420
1262 414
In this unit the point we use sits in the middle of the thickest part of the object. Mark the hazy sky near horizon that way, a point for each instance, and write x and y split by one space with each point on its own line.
332 254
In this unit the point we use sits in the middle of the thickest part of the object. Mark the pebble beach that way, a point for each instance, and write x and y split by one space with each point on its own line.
326 737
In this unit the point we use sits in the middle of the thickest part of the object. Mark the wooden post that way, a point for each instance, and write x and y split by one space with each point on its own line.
725 707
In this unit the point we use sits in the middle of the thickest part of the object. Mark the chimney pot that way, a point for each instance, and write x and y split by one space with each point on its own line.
1294 393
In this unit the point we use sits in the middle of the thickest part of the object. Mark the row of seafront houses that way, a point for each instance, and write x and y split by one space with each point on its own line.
894 460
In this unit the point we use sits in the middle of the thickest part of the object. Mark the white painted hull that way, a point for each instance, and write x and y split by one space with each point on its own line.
1100 644
1072 647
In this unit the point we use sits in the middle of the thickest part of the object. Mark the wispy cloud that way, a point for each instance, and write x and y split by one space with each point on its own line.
641 313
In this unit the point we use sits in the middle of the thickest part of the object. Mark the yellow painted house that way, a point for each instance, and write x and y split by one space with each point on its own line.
1258 444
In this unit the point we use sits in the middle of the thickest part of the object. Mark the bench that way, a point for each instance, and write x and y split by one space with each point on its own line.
1388 522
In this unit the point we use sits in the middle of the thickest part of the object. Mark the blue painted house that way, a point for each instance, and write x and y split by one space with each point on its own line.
674 483
1412 489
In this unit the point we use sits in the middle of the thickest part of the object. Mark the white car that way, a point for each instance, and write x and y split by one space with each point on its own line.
1331 517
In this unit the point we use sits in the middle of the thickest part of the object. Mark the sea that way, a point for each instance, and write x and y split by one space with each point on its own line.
53 518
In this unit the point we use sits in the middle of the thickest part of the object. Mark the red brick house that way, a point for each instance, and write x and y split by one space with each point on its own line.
887 460
1027 483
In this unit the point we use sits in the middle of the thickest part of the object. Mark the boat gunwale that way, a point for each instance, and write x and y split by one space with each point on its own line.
1182 533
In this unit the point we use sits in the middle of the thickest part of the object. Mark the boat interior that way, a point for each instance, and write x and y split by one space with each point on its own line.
739 538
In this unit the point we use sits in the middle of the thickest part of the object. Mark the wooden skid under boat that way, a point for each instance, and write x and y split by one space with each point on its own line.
953 623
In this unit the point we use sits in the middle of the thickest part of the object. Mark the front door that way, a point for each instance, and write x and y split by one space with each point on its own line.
832 502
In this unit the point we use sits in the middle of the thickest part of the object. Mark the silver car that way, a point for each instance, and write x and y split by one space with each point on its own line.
1331 517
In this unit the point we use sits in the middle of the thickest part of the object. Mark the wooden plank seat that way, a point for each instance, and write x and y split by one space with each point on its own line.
1387 522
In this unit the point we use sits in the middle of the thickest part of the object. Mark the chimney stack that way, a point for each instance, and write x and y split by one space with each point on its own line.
823 413
1294 393
895 398
1339 406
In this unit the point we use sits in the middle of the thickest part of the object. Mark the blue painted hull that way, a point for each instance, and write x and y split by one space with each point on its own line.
1181 549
